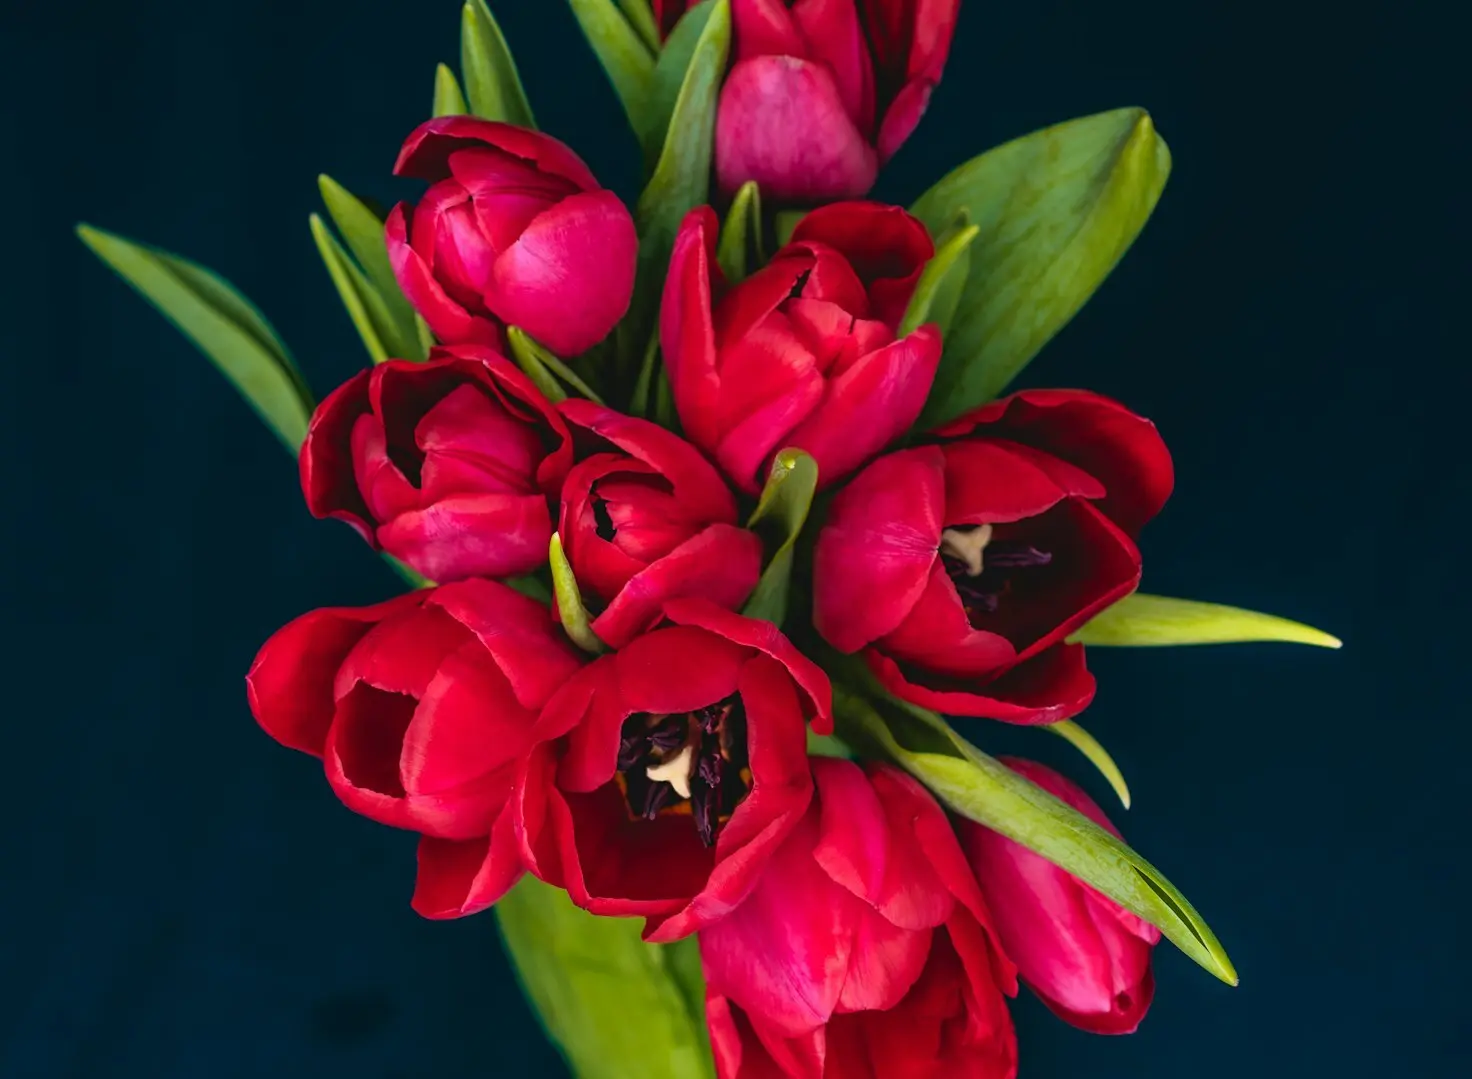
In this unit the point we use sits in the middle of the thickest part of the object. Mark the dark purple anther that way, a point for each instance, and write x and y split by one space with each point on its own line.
659 796
1015 556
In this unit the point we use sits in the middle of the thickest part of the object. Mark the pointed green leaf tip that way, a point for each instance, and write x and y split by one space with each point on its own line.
448 99
570 607
740 244
614 1005
222 323
1056 209
1144 621
938 291
626 58
1097 755
984 790
491 81
779 517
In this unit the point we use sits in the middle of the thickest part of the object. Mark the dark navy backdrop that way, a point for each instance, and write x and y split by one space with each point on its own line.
182 898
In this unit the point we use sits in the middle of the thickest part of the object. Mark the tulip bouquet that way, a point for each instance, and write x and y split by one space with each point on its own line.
716 526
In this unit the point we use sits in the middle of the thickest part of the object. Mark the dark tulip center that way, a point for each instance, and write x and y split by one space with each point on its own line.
688 762
603 520
983 567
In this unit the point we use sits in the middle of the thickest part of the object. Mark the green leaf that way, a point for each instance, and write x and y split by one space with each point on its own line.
628 61
222 323
641 18
984 790
1139 620
741 234
939 288
786 224
826 745
653 121
412 577
1057 209
614 1005
681 180
541 364
362 230
1098 756
448 100
570 607
780 515
491 81
364 305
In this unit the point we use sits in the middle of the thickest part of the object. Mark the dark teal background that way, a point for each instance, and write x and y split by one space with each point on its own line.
181 898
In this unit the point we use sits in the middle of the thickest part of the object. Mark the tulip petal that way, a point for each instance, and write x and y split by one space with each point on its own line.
401 655
326 460
361 756
721 563
686 331
853 842
458 878
290 684
451 323
739 1052
870 405
569 278
989 481
472 536
884 965
782 123
885 244
938 636
874 554
1122 449
426 153
709 664
1051 686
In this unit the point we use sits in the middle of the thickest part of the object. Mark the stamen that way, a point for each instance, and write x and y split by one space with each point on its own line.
965 544
656 798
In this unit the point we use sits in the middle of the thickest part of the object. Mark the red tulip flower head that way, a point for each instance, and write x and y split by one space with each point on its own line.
514 231
446 464
824 92
866 950
645 519
673 768
804 352
1084 955
961 568
422 709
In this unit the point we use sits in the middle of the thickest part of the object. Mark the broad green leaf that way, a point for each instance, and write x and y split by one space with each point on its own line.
614 1005
570 607
681 180
1056 209
364 305
448 100
222 323
673 61
941 282
362 231
491 81
628 61
1098 756
1139 620
641 18
741 234
779 517
540 363
984 790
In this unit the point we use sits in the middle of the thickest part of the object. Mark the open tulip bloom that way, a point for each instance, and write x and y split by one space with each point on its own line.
725 542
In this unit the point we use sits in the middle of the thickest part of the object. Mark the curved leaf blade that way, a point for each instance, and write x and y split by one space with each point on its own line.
610 1001
626 59
939 289
491 82
1097 755
740 243
362 231
641 18
221 323
570 609
1144 621
448 99
665 81
364 306
1056 209
779 517
984 790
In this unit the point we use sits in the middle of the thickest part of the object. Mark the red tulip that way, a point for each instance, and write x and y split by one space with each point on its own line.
824 92
866 952
645 519
683 767
444 464
515 231
803 353
422 710
1084 955
960 569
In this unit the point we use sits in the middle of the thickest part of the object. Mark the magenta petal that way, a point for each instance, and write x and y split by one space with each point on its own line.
426 152
472 536
1051 686
451 323
686 330
457 878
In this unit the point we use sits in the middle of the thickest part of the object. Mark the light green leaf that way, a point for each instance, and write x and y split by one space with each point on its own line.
448 100
364 305
1098 756
222 323
570 607
668 77
423 334
1056 209
779 517
640 402
412 577
826 745
984 790
939 288
614 1005
491 81
541 364
681 180
786 224
362 230
628 61
741 234
1139 620
641 18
